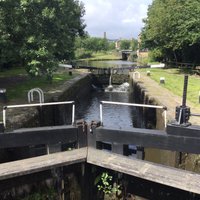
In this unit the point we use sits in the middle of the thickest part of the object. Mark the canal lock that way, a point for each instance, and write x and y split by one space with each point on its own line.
56 116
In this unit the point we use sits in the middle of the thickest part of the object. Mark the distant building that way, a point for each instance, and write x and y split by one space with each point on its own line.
117 44
141 53
104 35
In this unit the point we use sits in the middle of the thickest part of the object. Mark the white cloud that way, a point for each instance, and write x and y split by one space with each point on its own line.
116 17
129 20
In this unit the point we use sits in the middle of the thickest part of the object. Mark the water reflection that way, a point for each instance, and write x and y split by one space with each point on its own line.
108 63
114 116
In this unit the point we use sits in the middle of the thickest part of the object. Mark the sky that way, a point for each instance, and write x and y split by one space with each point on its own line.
118 18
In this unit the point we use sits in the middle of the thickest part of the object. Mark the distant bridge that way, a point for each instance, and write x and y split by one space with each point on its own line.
126 54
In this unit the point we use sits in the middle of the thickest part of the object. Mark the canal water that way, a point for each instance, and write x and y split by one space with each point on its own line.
108 63
122 117
114 116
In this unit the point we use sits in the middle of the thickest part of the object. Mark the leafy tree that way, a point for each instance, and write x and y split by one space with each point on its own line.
86 45
134 44
172 27
95 44
155 55
125 44
39 33
10 33
111 45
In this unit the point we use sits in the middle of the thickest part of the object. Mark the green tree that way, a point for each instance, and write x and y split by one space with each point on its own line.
134 44
42 32
125 44
95 44
111 45
11 34
86 45
172 27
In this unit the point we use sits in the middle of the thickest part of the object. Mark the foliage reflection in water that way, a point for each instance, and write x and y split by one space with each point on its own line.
114 116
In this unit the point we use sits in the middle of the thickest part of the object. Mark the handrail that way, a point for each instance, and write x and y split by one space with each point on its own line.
134 105
183 64
40 93
195 115
39 104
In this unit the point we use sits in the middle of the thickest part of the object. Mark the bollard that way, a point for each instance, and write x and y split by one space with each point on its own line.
3 98
70 72
136 75
162 80
148 73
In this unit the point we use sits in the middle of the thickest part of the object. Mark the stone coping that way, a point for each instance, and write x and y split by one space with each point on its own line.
166 98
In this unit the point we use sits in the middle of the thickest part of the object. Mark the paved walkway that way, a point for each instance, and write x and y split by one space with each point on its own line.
165 97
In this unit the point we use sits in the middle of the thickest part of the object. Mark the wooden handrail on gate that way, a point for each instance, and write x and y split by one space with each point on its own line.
150 138
41 163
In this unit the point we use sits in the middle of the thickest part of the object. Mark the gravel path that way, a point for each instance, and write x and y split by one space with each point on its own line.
165 97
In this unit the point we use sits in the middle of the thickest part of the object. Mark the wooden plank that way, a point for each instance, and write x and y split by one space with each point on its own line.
191 131
168 176
40 135
41 163
149 138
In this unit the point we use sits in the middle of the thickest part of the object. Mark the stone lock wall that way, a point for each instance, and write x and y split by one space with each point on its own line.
153 119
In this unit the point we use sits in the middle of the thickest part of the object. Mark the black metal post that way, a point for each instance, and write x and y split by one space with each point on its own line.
185 91
183 112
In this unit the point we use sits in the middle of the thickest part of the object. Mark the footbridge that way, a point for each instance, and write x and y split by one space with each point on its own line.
104 70
126 54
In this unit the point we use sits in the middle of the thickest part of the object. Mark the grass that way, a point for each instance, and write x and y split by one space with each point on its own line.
20 90
104 56
174 80
18 71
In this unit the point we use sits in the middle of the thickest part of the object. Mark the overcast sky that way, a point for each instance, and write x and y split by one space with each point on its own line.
118 18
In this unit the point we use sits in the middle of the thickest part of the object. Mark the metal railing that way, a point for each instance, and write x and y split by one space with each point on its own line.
133 105
39 104
195 115
40 94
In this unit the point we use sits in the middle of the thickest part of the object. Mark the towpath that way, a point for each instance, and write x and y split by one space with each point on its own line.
166 98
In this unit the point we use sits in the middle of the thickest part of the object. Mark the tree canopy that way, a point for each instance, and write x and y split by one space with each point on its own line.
92 43
39 33
87 45
172 28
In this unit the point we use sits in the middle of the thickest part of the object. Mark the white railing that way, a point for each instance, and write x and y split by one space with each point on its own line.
40 94
133 105
39 104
